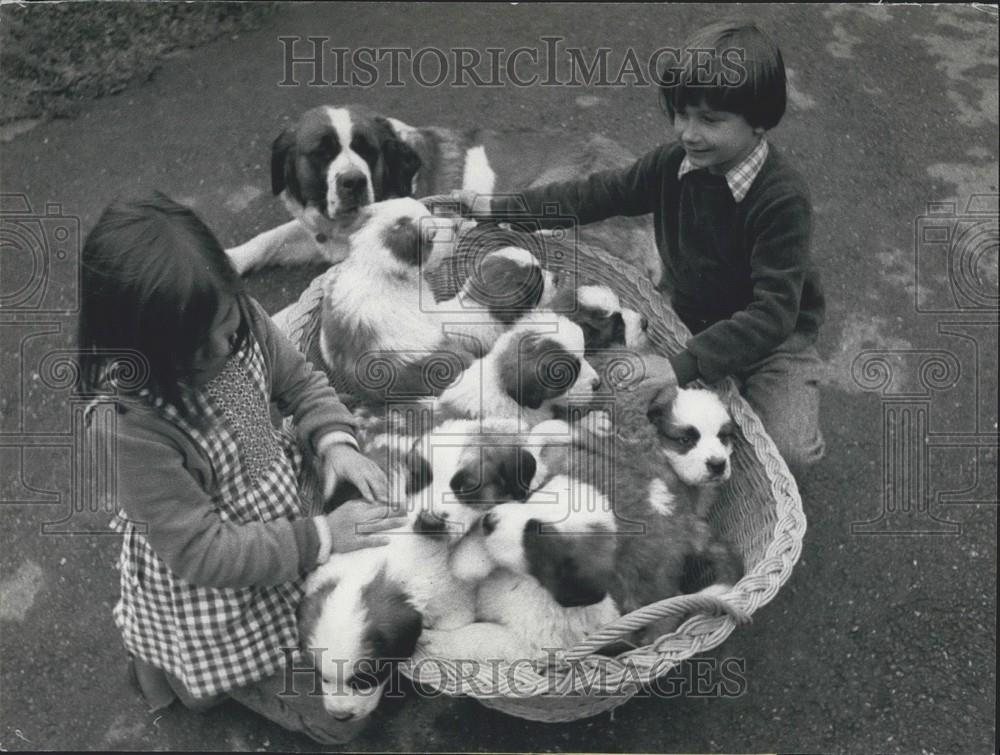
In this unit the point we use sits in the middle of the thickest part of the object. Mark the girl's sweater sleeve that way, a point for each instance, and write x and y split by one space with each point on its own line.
300 390
162 483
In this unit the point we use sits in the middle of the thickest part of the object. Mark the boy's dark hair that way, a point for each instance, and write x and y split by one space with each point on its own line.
732 66
153 278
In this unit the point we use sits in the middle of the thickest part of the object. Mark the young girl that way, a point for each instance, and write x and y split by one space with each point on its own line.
216 533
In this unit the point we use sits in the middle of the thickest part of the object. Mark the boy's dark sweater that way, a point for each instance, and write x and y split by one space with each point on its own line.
739 274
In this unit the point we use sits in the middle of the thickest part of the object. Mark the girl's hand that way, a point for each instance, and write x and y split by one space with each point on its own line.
353 522
341 461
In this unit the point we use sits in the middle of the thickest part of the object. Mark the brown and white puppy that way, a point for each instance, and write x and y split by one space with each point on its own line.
543 570
379 331
366 610
503 287
336 159
605 322
661 508
535 368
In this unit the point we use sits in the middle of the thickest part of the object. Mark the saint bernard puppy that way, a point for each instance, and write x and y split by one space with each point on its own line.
505 285
533 370
365 610
605 322
335 160
543 570
380 333
667 546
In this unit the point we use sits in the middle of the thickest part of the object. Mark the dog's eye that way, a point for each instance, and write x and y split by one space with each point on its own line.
364 148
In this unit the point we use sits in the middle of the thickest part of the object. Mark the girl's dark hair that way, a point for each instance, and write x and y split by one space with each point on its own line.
732 66
154 276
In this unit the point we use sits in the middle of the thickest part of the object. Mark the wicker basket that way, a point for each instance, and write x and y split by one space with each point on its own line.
761 514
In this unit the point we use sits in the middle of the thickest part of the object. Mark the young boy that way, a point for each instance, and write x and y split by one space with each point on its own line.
732 220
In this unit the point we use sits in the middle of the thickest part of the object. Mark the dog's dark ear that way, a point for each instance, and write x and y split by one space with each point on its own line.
660 405
428 524
518 470
418 472
525 387
573 590
397 640
395 624
561 565
279 160
399 162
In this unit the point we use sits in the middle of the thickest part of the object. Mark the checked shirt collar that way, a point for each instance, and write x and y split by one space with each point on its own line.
740 178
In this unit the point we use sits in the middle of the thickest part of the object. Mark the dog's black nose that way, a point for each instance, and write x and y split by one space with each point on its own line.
352 182
595 384
489 522
716 466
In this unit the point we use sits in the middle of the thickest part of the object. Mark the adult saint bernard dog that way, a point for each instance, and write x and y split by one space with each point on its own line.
336 160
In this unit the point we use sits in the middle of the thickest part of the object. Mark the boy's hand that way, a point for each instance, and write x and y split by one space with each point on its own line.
353 523
341 461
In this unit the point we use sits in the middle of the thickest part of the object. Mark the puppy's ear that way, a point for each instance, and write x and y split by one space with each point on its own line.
661 404
405 242
418 472
557 562
399 162
280 167
518 470
394 636
428 524
506 288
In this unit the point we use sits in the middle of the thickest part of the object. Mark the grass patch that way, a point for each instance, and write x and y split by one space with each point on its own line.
56 56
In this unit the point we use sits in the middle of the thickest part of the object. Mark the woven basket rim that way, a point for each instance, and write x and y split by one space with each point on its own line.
700 633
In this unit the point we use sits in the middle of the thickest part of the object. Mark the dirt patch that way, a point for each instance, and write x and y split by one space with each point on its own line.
55 56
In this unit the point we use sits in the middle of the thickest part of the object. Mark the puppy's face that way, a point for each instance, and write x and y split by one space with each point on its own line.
597 310
570 552
355 631
394 236
696 433
545 363
508 283
336 160
458 471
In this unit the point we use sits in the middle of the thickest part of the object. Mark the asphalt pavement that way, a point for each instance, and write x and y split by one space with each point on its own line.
884 639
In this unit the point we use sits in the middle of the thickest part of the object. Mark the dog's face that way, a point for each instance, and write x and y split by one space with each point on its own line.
544 362
599 313
569 549
460 469
336 160
696 433
395 236
508 283
356 630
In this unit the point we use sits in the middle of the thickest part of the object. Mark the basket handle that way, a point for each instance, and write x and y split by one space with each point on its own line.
669 607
